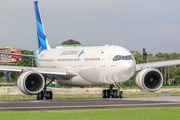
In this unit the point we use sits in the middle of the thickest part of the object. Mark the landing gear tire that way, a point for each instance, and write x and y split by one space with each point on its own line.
40 96
106 94
49 95
121 94
112 93
115 94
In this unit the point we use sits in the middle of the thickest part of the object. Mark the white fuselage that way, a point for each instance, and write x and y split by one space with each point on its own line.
91 65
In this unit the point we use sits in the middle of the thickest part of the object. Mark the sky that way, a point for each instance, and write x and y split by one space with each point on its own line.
133 24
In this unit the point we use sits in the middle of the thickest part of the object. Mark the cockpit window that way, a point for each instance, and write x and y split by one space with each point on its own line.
120 57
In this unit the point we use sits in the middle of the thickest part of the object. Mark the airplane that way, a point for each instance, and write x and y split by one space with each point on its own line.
83 66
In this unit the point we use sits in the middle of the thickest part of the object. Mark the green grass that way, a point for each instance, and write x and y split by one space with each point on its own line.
170 87
99 114
56 96
135 87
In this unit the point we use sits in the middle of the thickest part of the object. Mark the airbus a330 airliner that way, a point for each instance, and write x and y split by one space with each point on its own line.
82 66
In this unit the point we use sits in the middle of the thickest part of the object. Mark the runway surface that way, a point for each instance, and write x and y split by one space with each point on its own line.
69 104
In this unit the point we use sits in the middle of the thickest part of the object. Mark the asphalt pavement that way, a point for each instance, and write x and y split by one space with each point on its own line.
71 104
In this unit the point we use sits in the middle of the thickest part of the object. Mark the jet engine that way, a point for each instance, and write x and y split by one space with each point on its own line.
149 80
31 82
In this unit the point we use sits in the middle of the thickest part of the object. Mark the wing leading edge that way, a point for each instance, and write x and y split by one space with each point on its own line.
157 64
47 71
23 55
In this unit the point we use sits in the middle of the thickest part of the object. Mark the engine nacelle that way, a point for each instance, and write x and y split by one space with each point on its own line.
149 80
31 82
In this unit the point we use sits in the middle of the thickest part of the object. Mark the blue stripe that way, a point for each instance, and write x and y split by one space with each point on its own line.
40 26
40 34
43 42
40 31
37 12
80 53
36 56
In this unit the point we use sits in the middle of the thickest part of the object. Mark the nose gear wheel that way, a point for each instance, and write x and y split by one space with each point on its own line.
114 93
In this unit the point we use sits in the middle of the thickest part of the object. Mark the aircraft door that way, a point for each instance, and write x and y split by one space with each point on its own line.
104 58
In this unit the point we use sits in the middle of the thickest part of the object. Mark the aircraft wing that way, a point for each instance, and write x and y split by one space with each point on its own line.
48 71
23 55
157 64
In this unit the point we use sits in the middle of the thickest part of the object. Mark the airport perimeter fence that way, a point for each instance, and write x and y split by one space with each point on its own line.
86 96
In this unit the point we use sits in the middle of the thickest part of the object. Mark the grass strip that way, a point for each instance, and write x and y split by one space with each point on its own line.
98 114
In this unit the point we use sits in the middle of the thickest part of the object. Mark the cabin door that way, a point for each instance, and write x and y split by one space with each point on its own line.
104 58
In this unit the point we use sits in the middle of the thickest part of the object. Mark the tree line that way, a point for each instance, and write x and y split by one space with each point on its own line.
25 61
171 74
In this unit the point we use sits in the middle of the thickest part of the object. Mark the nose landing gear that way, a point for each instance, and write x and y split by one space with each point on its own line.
112 93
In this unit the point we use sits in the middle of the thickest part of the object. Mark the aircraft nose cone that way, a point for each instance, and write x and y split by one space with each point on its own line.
129 65
128 70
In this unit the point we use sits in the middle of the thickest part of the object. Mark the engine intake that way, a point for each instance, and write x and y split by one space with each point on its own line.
31 82
149 80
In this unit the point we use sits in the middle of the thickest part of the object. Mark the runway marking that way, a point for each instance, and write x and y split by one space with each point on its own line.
3 102
86 106
163 99
139 99
36 101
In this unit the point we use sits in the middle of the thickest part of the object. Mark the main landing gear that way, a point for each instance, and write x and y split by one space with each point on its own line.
48 95
113 93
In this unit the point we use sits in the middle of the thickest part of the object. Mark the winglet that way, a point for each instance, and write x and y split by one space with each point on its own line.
42 39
